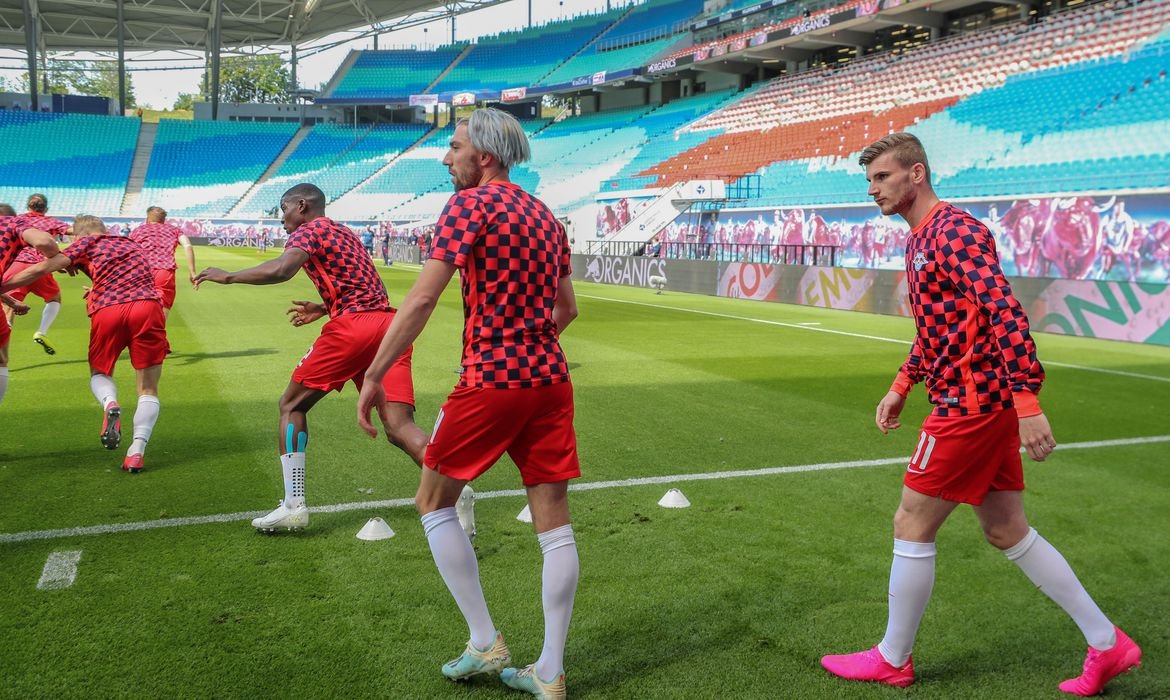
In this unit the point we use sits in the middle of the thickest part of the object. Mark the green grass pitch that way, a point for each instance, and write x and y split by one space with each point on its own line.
735 597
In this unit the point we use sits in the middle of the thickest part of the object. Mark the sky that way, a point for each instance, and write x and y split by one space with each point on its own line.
158 89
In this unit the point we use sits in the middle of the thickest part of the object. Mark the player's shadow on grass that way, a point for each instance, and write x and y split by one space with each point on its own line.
190 358
54 363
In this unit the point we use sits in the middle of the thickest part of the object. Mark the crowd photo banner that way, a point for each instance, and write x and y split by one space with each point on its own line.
1114 237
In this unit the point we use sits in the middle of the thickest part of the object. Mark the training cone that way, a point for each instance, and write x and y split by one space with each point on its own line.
375 529
524 516
674 499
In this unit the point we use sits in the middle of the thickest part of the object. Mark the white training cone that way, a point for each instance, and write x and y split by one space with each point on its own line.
375 529
524 516
674 499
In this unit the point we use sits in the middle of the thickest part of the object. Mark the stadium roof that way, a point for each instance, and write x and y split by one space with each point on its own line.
92 25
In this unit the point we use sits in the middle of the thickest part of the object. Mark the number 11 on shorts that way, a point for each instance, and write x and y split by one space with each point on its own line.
926 441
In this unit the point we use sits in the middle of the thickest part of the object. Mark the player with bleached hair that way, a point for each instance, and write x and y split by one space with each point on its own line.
514 394
974 352
124 312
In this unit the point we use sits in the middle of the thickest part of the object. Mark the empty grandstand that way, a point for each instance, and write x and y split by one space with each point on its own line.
1010 103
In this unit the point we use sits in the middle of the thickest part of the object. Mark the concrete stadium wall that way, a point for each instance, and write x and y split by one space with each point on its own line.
1113 310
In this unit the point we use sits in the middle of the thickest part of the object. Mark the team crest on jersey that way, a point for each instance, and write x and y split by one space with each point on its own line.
919 261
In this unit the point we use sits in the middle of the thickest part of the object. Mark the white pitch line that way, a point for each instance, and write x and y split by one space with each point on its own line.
768 322
810 327
1119 372
60 571
585 486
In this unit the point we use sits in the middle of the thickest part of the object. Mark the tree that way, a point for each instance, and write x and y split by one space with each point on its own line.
253 79
81 78
187 101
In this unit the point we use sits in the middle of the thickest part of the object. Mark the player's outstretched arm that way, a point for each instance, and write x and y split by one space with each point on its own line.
18 307
305 312
273 271
31 274
189 253
411 318
42 241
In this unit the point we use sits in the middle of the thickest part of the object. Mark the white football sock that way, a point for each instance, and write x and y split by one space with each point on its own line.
558 587
293 466
3 382
1045 566
455 558
145 416
911 583
104 389
48 315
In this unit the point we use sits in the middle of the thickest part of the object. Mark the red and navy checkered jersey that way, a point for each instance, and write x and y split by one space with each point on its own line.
973 348
158 243
49 225
340 267
117 267
512 253
11 242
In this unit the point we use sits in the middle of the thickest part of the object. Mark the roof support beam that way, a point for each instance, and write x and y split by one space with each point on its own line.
32 27
216 21
121 59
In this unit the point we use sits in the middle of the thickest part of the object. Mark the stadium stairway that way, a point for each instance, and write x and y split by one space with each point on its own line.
342 71
450 67
422 139
600 35
142 151
273 167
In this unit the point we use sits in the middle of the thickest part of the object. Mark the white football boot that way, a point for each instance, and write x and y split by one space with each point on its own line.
284 517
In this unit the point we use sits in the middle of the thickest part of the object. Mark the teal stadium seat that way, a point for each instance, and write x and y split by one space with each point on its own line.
80 162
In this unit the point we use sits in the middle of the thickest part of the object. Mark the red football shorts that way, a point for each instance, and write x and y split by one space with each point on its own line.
963 459
164 282
46 287
476 426
343 352
138 325
5 330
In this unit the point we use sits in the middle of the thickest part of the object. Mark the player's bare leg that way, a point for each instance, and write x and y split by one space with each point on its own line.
549 504
404 433
145 416
293 438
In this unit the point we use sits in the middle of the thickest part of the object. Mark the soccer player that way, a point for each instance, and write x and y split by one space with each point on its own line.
159 240
45 287
974 351
359 313
15 233
514 394
124 312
